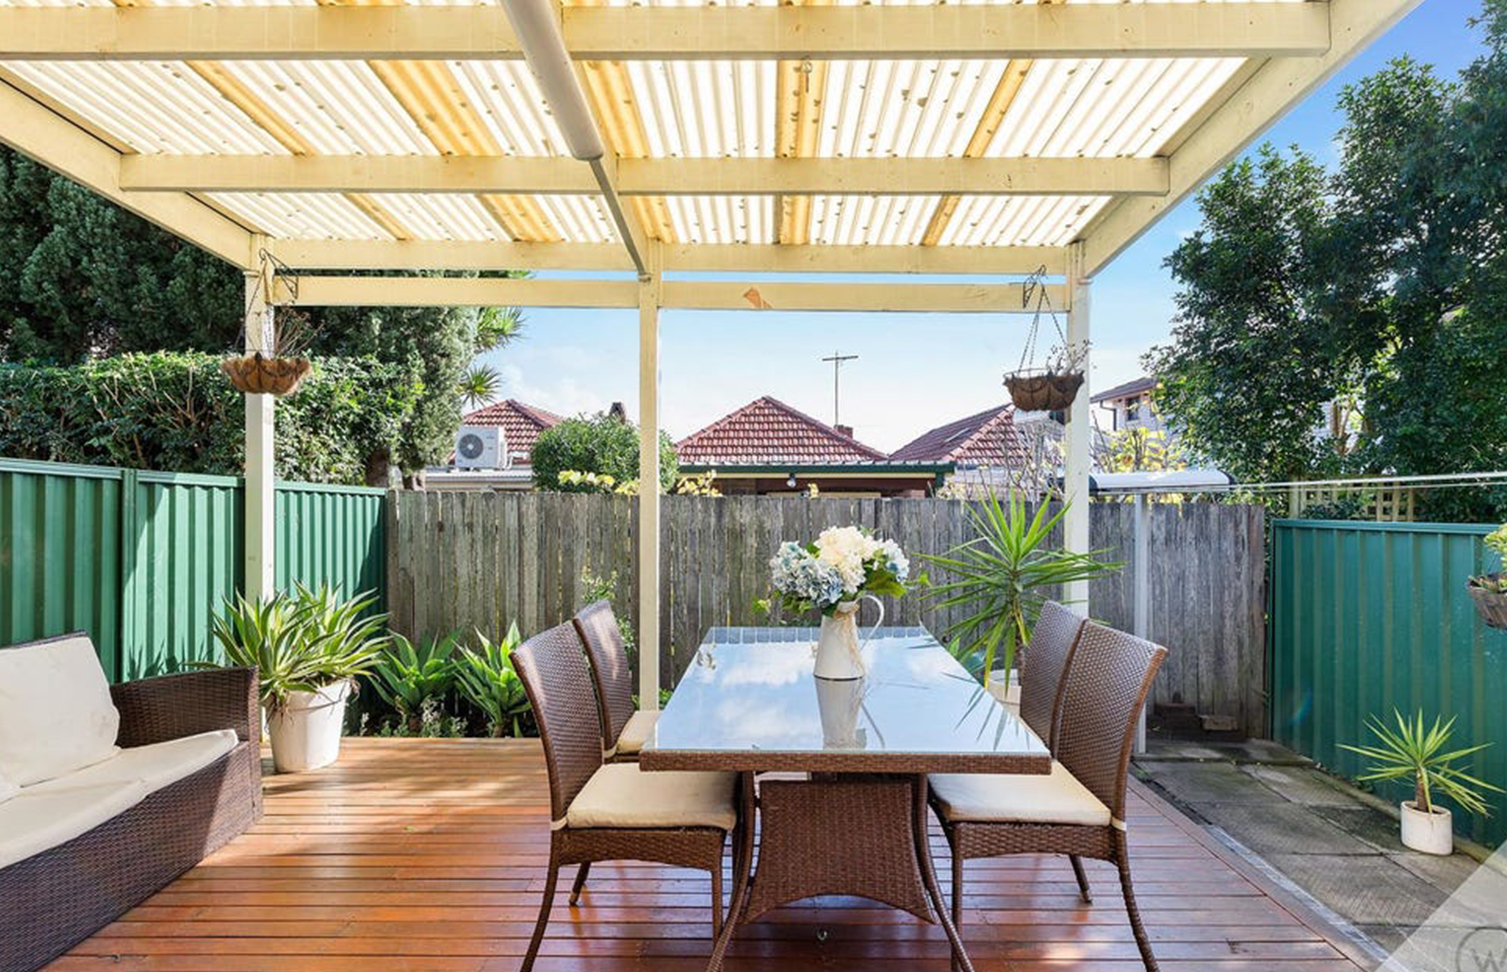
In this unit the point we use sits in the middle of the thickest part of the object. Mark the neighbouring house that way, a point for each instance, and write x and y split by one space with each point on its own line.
768 447
520 425
1129 406
990 448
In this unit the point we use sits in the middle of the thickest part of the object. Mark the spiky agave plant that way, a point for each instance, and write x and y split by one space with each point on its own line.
1409 750
408 675
486 677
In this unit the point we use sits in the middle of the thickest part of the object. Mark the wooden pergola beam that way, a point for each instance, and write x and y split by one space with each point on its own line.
1254 29
646 177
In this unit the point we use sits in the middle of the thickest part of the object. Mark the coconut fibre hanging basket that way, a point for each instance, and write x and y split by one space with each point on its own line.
1491 599
259 374
1054 387
1045 391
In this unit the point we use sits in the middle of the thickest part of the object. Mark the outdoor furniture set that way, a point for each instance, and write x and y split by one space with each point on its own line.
852 765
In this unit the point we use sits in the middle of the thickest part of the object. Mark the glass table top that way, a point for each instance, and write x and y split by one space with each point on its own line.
749 701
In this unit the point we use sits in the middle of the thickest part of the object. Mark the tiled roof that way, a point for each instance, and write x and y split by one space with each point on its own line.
767 432
1126 390
521 424
985 439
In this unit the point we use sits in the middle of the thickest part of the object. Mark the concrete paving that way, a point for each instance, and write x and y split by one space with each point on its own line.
1317 833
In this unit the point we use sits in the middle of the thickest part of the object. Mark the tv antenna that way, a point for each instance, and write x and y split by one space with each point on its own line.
838 359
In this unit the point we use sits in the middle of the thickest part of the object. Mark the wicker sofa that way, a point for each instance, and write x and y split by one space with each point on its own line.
80 848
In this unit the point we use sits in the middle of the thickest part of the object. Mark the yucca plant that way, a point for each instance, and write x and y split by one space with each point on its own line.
486 677
1002 576
1410 751
409 676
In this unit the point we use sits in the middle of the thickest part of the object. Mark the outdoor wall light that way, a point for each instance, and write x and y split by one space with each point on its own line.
790 480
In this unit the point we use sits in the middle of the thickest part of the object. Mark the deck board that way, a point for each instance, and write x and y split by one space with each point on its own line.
429 855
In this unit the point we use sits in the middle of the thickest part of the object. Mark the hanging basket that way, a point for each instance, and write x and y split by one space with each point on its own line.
1491 602
1044 391
256 374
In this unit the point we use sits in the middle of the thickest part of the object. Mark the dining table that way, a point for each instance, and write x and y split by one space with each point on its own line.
843 809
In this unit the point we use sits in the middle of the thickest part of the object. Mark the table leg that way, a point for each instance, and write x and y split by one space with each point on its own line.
960 958
742 871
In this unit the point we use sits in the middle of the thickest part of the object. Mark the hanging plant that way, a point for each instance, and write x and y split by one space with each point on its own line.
1053 386
279 370
1489 591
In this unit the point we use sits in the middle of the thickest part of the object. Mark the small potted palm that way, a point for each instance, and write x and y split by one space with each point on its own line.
1489 591
308 648
1411 752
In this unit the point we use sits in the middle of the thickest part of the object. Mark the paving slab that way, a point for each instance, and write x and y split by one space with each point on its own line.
1278 827
1218 782
1365 889
1365 823
1445 873
1301 785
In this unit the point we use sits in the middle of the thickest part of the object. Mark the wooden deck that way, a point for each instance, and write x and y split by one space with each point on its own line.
420 855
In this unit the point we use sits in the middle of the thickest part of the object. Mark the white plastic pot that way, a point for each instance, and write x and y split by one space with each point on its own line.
1431 833
305 730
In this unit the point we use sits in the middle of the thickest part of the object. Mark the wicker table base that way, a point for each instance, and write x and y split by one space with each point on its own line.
859 835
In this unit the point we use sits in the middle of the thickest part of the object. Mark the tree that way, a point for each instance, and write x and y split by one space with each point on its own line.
600 445
479 385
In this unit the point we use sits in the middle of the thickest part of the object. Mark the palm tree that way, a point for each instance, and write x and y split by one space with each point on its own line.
479 385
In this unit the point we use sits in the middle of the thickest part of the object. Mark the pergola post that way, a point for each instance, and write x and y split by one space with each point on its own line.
649 288
1079 431
261 543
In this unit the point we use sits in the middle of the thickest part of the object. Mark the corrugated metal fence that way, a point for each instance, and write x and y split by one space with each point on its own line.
1368 617
141 560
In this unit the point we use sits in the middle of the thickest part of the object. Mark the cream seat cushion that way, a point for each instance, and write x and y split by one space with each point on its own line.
56 715
620 795
34 822
156 765
1018 798
637 732
7 788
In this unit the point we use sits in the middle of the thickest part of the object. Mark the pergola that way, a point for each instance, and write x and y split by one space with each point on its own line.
683 144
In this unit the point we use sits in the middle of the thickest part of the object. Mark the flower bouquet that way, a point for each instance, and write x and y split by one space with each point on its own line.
843 566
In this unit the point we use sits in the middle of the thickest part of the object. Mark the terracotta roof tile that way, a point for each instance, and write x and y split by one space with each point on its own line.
767 432
521 424
986 439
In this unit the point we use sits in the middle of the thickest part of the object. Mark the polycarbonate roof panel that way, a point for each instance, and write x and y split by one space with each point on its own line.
339 107
723 219
300 216
881 220
1020 220
579 219
706 109
509 101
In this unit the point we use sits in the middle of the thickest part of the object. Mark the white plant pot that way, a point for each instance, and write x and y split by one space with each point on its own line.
1431 833
305 731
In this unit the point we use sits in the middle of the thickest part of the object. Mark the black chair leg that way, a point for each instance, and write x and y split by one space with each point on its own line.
580 883
1084 891
544 906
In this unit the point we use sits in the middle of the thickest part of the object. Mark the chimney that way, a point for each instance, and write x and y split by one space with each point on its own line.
845 430
617 411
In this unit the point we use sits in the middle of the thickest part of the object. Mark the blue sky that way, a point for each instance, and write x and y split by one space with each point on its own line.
915 371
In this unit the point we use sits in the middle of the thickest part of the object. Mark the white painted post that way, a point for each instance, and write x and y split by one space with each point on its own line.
1075 477
261 538
1141 617
648 491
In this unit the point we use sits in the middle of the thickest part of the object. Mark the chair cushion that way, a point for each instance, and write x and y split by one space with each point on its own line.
620 795
1018 798
34 822
55 710
7 788
155 766
637 732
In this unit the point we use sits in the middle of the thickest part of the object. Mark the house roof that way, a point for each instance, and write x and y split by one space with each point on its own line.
521 423
1125 390
987 438
768 432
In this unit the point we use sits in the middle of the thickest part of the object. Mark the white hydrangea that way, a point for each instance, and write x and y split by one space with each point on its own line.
836 568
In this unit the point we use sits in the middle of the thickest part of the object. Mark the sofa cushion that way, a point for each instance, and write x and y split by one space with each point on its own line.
1018 798
34 822
155 766
636 732
7 788
619 795
55 710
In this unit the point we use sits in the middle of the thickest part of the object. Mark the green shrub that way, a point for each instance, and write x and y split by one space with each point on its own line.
597 444
409 677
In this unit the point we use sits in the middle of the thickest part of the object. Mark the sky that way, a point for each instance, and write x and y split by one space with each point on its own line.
914 371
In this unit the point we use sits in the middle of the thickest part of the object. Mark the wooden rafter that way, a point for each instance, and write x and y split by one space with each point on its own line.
800 93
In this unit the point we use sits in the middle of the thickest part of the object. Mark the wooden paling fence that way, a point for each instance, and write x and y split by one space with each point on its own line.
458 561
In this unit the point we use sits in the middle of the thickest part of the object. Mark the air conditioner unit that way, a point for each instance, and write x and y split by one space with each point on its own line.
480 447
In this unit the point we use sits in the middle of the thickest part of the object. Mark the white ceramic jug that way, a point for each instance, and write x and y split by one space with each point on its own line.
839 654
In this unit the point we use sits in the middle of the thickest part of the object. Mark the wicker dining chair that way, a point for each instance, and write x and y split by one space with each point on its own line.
1079 809
613 812
625 728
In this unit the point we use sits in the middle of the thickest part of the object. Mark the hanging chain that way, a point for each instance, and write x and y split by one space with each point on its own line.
1035 286
269 270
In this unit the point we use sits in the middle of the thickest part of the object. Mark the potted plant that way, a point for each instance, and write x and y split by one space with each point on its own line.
1411 752
1489 591
1001 577
1053 387
308 649
285 332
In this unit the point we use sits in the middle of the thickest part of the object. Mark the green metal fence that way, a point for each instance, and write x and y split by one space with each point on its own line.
141 560
1368 617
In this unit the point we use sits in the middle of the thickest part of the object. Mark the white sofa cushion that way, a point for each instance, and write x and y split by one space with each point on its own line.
55 710
1018 798
619 795
155 766
35 822
7 788
636 732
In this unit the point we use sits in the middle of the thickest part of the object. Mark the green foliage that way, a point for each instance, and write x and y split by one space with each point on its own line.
175 412
479 385
1411 752
1351 506
301 642
1383 282
1002 577
601 445
408 677
487 679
